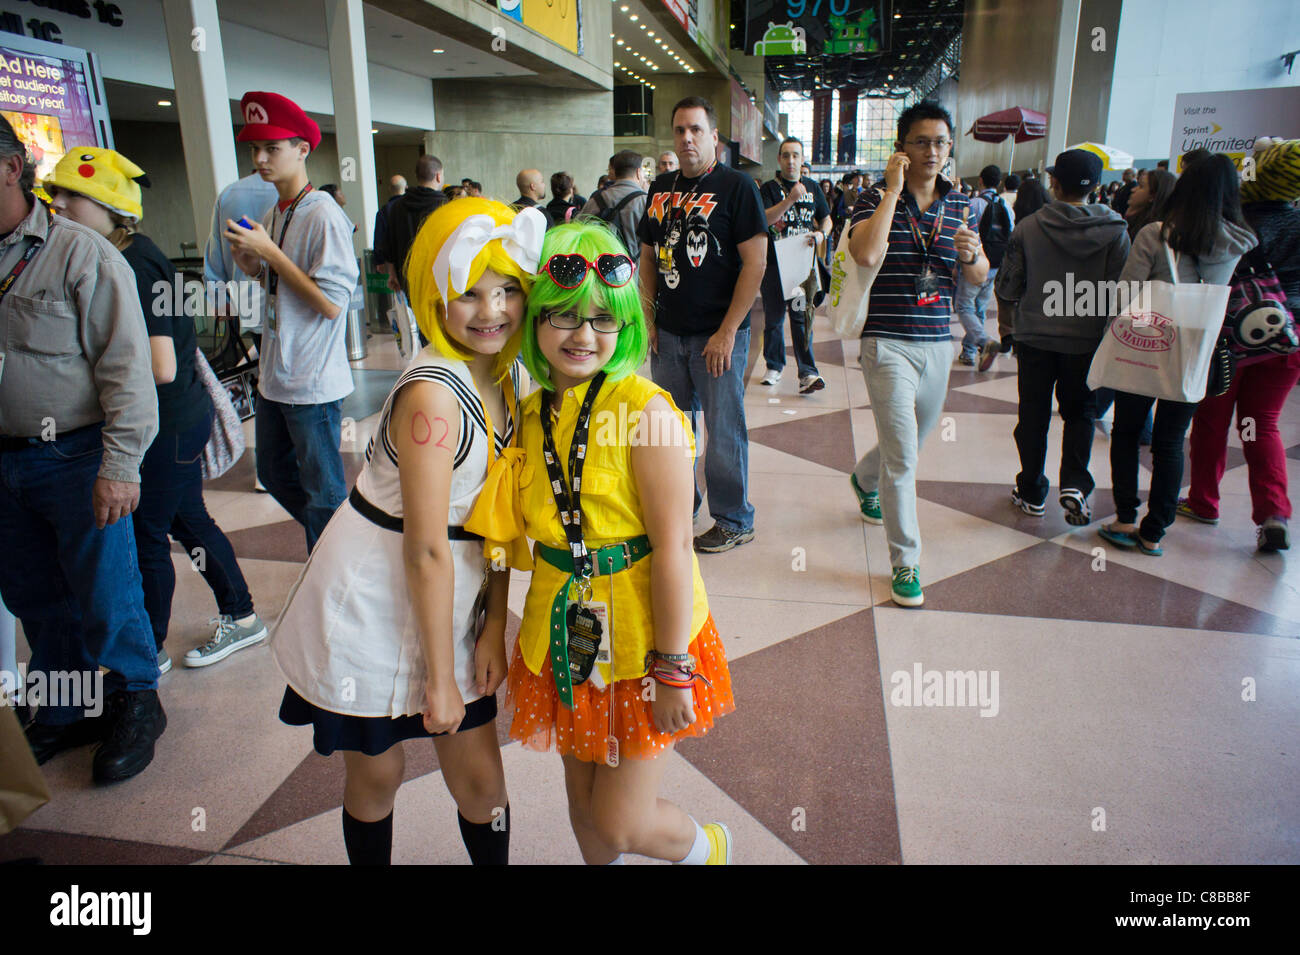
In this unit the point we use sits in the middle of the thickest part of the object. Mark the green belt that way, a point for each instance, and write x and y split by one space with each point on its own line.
609 559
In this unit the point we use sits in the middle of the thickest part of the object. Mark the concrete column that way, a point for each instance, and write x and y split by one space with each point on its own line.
1067 32
202 104
345 30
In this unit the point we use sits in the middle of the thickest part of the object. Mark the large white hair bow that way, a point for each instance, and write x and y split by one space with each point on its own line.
521 238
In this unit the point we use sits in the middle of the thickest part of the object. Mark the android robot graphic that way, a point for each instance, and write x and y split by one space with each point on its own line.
784 39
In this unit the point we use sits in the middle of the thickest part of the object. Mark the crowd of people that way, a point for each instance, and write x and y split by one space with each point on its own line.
396 627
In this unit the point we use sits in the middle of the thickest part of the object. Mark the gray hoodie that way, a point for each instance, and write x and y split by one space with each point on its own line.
1148 259
1053 267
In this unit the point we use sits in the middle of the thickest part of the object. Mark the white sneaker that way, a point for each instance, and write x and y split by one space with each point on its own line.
772 377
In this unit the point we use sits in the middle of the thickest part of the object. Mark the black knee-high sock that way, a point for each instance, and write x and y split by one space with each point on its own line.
488 842
368 843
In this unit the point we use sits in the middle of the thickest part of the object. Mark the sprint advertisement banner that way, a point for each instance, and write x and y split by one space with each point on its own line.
1229 122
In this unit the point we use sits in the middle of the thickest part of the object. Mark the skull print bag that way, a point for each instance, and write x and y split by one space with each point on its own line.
1258 325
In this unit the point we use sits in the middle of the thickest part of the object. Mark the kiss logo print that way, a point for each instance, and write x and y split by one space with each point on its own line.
697 246
672 278
703 204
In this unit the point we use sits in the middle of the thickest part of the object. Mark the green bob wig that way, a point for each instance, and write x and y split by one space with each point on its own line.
588 237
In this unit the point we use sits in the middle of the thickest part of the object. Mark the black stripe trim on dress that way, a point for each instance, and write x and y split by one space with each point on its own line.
390 523
464 397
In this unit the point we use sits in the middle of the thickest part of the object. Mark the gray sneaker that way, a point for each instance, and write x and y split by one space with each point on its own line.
164 662
228 638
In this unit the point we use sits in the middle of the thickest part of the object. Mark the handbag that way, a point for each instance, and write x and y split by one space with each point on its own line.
1162 343
22 787
850 289
226 442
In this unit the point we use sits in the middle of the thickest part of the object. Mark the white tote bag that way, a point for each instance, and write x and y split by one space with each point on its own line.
850 290
1161 344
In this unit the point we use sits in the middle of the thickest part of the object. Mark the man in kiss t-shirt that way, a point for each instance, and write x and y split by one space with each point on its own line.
794 206
703 252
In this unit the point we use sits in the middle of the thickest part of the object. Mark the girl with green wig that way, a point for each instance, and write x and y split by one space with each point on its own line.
618 656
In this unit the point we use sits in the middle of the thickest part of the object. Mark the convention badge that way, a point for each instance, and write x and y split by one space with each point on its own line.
665 260
927 287
585 631
271 325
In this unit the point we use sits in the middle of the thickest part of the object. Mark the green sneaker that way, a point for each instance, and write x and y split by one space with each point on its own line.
868 503
906 589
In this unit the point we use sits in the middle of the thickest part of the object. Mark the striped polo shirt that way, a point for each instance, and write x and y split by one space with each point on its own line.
892 311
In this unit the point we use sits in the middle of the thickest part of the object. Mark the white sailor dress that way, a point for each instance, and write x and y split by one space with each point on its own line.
348 640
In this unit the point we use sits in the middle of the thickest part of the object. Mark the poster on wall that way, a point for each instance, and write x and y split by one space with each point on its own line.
52 96
746 124
560 21
1230 121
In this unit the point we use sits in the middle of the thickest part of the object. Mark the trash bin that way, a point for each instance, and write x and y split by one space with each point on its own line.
378 300
356 330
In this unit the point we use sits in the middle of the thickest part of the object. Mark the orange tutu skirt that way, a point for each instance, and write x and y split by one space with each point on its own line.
541 722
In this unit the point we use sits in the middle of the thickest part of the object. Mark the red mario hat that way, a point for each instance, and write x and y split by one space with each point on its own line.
272 116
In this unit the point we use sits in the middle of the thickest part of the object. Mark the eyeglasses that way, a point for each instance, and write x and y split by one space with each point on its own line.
925 145
570 270
568 321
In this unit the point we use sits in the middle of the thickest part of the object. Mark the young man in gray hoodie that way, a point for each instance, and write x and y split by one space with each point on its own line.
1059 279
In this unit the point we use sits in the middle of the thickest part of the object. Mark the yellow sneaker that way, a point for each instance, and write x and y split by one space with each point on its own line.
719 837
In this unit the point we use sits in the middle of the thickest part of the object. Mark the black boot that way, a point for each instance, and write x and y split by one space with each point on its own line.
48 741
136 720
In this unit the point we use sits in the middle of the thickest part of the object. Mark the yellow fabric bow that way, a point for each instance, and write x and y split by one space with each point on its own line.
498 514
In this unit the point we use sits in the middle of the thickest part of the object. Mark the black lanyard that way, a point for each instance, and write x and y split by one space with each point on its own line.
926 247
569 501
273 282
678 210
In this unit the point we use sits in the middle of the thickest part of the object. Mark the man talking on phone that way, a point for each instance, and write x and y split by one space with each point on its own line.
914 225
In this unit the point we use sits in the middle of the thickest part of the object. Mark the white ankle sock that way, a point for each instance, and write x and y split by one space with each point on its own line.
246 621
699 853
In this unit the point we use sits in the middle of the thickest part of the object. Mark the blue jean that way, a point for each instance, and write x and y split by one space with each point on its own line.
298 460
679 369
75 588
972 302
171 501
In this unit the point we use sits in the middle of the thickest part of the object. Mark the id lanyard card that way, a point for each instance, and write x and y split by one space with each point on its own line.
927 285
273 279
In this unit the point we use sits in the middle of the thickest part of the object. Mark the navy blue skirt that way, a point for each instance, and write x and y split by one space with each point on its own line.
371 735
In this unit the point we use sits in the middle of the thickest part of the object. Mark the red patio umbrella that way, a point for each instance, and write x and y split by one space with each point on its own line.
1021 124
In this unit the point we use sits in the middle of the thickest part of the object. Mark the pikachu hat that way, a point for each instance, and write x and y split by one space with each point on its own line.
106 176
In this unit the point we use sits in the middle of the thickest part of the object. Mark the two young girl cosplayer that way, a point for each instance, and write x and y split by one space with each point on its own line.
396 628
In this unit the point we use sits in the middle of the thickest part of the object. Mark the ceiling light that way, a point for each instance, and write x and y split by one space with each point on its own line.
633 17
164 102
897 16
623 8
651 33
373 132
642 26
653 67
439 51
891 76
620 42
